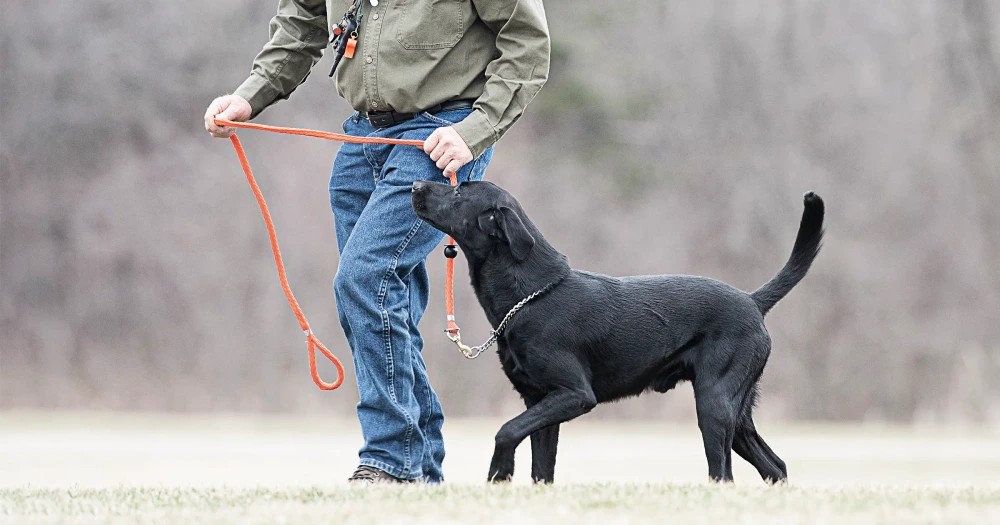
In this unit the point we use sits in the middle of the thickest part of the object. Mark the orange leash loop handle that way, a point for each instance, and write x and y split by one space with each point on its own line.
312 342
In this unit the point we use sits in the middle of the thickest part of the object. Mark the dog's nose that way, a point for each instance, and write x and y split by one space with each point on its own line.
418 186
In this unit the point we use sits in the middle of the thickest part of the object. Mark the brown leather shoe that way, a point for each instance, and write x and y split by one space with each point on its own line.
366 474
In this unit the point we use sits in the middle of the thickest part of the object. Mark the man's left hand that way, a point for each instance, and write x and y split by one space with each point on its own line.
448 149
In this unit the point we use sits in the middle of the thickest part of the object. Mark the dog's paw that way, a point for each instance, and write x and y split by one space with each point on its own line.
500 477
501 467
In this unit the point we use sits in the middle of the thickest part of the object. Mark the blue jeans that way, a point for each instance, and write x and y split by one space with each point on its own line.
382 290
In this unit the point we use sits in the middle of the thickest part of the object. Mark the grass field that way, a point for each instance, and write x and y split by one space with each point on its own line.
88 469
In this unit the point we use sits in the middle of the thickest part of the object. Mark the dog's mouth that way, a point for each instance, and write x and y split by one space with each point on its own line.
437 205
419 205
419 199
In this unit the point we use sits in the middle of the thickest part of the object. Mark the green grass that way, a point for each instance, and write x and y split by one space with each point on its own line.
84 468
512 504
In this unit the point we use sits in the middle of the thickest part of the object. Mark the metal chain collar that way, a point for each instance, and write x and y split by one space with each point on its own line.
474 351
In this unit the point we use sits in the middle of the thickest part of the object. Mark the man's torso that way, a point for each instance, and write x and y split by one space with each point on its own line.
414 54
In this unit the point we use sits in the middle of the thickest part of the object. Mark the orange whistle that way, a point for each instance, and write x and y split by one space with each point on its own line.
349 50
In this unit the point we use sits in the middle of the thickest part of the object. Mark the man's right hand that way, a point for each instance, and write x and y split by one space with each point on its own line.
227 107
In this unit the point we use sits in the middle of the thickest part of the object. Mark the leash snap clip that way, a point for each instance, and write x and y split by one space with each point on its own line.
455 336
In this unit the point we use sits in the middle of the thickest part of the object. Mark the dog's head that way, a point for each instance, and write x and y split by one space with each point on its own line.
481 216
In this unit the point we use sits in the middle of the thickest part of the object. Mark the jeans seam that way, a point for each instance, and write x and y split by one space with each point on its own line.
475 164
427 396
376 167
371 161
387 337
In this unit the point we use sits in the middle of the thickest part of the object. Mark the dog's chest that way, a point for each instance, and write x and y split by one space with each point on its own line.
515 367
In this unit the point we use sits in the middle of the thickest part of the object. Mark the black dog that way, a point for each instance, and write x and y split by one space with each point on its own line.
589 338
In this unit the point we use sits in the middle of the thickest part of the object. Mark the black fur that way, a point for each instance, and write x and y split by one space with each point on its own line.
807 245
593 338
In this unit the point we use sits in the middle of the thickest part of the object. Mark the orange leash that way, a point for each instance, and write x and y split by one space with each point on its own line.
312 342
449 286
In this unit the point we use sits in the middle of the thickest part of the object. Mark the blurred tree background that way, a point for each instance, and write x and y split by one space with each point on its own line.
673 137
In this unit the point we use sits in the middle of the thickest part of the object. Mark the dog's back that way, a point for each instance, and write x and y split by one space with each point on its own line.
649 332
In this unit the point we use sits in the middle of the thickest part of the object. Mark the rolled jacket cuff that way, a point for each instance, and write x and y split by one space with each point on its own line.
258 92
477 132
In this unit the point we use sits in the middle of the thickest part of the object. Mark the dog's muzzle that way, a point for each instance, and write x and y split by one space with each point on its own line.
419 192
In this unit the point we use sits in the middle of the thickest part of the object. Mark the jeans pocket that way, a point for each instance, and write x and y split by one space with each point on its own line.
447 118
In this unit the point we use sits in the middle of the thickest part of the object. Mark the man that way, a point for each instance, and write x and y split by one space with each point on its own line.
453 73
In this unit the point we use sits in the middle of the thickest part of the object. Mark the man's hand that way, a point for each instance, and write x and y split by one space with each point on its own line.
448 149
228 107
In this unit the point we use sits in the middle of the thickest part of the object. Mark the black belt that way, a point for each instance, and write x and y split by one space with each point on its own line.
384 119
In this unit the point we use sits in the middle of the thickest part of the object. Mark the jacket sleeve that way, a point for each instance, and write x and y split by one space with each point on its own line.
299 35
515 76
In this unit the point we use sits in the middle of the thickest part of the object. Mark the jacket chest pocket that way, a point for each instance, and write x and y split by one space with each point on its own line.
430 24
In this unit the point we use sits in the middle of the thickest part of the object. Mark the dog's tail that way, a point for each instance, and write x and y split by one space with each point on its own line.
807 245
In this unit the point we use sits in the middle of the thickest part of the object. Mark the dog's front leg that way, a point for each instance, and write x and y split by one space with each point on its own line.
544 443
556 407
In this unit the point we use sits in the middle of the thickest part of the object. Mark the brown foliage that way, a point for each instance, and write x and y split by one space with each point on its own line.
673 137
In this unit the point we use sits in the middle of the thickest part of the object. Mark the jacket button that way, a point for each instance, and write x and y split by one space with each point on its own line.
368 60
375 16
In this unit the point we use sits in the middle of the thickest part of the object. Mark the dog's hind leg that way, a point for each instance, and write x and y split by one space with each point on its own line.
747 442
775 460
717 421
751 447
544 443
725 385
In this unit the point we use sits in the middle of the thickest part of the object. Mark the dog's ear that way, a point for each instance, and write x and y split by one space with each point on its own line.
489 222
520 239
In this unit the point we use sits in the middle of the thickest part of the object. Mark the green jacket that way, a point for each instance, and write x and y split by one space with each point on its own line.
415 54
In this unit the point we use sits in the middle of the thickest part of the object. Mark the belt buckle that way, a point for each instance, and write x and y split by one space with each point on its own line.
381 119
